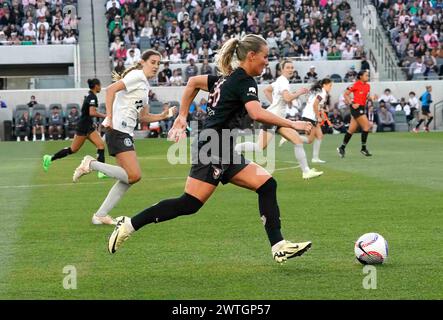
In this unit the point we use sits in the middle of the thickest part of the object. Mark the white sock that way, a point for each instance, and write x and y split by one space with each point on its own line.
113 197
111 171
304 138
128 225
300 155
246 147
316 149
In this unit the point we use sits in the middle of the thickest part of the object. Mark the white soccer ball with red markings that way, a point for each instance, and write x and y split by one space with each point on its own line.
371 248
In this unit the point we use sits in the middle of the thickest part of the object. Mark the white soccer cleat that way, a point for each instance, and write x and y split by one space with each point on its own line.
119 235
317 160
83 168
312 173
285 250
97 220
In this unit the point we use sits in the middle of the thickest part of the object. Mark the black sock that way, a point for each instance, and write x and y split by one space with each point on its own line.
346 139
269 211
429 121
101 155
167 210
419 123
364 138
62 153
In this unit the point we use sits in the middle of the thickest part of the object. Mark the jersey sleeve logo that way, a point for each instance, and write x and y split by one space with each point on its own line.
252 90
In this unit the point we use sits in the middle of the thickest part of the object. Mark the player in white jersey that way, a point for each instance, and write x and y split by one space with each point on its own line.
312 113
126 101
279 95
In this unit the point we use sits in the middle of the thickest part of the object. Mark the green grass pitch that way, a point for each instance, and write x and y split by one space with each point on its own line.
222 252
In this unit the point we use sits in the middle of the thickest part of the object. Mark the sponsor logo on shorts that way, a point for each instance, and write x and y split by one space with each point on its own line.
127 142
217 172
361 111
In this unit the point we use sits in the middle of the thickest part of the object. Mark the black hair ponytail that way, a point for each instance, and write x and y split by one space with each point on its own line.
318 85
93 82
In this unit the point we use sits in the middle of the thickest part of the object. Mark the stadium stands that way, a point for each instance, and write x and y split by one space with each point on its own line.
300 30
415 30
40 22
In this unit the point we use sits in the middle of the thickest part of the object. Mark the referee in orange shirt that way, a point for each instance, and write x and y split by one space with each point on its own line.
360 91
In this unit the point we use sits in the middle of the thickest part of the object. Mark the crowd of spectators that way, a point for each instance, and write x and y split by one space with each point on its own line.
416 32
191 31
381 113
41 22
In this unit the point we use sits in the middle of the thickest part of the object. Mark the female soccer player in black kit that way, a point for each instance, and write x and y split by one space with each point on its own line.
85 128
231 96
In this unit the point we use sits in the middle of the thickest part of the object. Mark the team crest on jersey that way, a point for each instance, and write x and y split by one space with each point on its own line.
217 172
127 142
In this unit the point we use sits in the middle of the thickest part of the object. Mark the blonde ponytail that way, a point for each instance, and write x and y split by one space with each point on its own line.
233 51
225 59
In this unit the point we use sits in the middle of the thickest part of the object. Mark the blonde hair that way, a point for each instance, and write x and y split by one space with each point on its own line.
138 66
234 50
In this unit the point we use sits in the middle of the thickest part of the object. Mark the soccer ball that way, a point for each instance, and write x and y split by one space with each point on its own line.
371 248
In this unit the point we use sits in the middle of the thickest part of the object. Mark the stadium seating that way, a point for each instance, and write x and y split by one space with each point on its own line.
51 23
284 26
401 124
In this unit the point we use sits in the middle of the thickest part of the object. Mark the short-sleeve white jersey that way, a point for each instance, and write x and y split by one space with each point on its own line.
279 105
308 111
128 103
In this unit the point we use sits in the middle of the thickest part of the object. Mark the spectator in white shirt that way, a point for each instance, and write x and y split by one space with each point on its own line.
176 79
321 54
192 55
352 32
272 40
42 35
348 53
42 21
175 56
28 22
137 53
285 32
71 38
315 46
388 98
110 2
30 32
131 59
417 69
147 30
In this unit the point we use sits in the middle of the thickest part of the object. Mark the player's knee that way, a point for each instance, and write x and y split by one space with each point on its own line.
270 186
189 204
134 177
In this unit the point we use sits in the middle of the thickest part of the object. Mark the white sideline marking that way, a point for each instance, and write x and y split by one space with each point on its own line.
103 182
287 168
74 184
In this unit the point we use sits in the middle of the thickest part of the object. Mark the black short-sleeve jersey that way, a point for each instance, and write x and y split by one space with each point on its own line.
227 99
89 101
